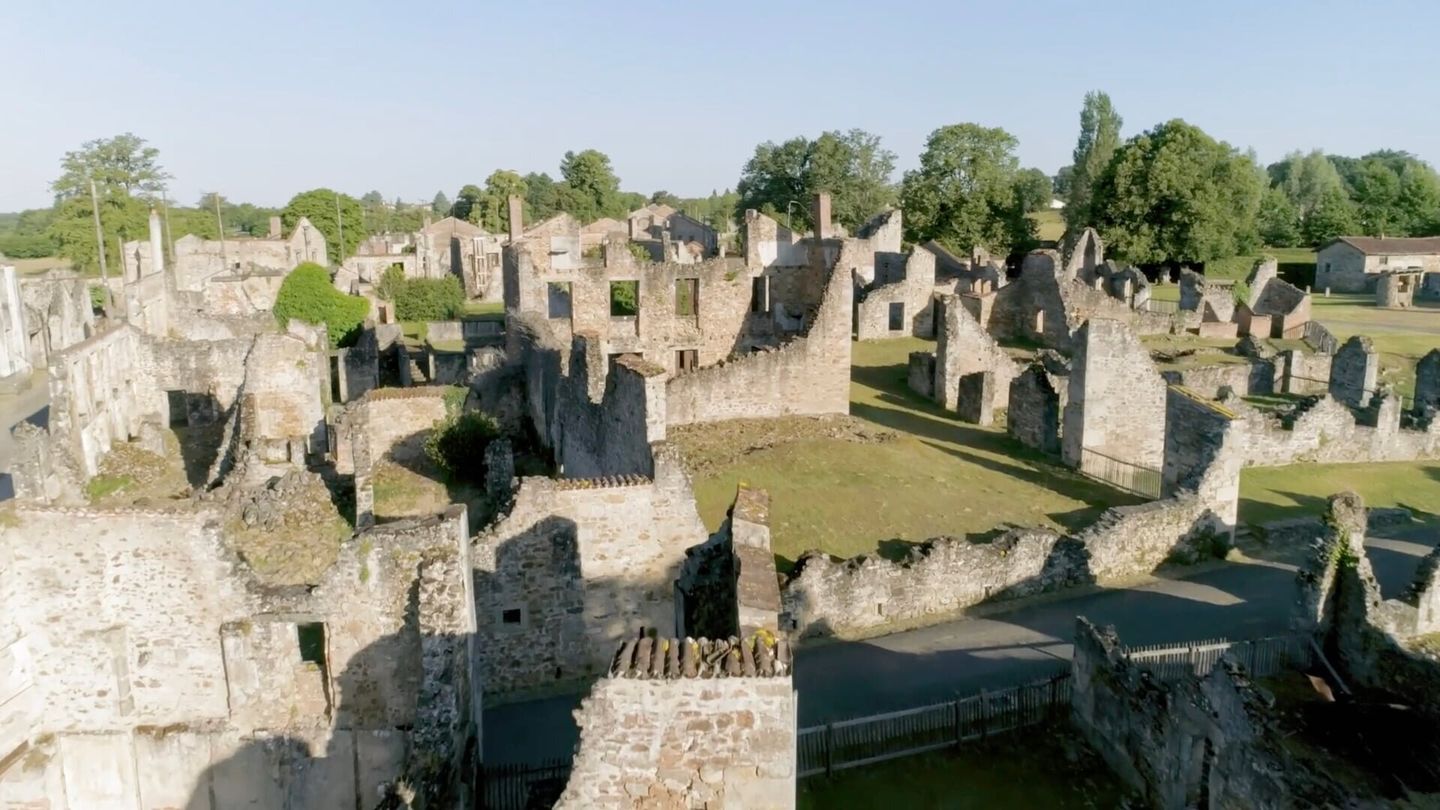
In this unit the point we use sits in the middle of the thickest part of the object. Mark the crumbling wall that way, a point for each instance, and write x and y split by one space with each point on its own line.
611 434
173 673
964 348
1033 414
1116 402
98 396
576 567
1287 305
689 723
282 410
1204 452
58 315
1324 431
1427 383
1354 371
912 292
808 375
1245 379
728 585
387 424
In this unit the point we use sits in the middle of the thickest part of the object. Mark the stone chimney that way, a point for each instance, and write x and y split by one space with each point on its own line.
275 228
820 215
517 218
157 245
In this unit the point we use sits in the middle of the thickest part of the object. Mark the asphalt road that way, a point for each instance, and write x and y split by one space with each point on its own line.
1237 600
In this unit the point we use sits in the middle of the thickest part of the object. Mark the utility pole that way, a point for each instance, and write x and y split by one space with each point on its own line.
220 223
100 245
340 222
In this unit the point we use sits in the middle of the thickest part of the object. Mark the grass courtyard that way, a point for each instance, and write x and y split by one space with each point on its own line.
1300 490
898 471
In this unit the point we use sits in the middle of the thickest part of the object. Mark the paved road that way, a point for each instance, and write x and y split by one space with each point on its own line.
845 679
32 404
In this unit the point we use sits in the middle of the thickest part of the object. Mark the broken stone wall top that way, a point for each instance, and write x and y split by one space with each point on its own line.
757 656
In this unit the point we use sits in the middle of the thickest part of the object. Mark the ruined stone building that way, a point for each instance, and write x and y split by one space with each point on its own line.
15 362
58 314
1356 263
669 235
199 260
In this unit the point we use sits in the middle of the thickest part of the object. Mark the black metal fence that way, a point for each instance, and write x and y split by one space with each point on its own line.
523 786
866 740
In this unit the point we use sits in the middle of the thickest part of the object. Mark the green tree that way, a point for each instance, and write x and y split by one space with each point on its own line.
1332 216
1099 138
495 202
307 295
1306 179
1278 221
440 206
666 198
591 189
318 205
429 299
1034 190
542 199
1061 182
1376 193
123 165
1419 200
390 283
372 199
457 446
781 179
963 194
468 203
123 218
1174 194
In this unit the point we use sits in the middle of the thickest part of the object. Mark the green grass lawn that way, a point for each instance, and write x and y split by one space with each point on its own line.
1049 224
1300 490
1300 261
485 308
1034 768
938 476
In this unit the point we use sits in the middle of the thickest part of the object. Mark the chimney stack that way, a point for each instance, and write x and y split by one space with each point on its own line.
274 228
820 215
517 218
157 246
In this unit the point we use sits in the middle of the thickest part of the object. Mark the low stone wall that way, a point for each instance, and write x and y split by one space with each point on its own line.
1245 379
689 723
868 595
1327 432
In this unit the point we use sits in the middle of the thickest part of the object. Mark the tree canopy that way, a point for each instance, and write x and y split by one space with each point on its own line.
964 193
590 189
1099 138
306 294
780 179
123 164
1174 194
318 205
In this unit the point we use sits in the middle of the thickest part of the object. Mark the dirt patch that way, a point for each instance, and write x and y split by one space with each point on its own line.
716 445
289 531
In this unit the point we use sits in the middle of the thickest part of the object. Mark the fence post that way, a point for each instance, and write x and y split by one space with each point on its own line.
1194 658
984 716
959 727
1054 697
829 750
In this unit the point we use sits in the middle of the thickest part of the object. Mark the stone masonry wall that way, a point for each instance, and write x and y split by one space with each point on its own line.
1327 432
1354 371
963 348
1116 402
1033 414
1204 452
611 435
173 675
576 567
666 729
912 292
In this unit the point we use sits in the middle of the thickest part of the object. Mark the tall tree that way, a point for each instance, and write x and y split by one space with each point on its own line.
780 179
467 203
1332 216
372 199
1306 179
963 194
318 205
1278 221
440 206
122 164
1099 138
542 200
1174 194
591 187
1034 189
1377 194
495 205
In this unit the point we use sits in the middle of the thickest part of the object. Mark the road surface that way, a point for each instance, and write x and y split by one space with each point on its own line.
1236 600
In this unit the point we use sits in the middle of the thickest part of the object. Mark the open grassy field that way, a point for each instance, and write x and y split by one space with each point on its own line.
1045 767
30 267
842 490
1300 490
1049 224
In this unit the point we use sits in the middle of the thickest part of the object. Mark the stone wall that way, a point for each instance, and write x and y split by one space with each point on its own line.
1116 402
15 364
577 566
689 723
807 375
1354 371
386 425
99 395
58 315
1204 452
1245 379
611 434
869 595
728 585
1324 431
1427 383
173 675
964 348
910 290
1033 414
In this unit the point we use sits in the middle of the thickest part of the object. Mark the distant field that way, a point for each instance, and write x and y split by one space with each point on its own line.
845 495
27 267
1050 224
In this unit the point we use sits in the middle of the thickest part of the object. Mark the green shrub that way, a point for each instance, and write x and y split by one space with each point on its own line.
390 282
308 295
640 252
97 297
457 446
624 298
27 246
429 299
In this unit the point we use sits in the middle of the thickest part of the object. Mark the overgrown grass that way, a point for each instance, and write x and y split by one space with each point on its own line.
939 476
403 492
1034 768
1300 490
485 310
1297 265
1049 224
104 485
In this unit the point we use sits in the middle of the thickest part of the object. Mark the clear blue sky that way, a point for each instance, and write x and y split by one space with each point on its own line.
262 99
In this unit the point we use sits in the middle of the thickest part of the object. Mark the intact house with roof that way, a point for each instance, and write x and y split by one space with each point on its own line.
1356 263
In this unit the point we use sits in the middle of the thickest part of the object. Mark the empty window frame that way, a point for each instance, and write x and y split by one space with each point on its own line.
760 294
311 636
687 360
687 297
558 299
897 316
624 299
